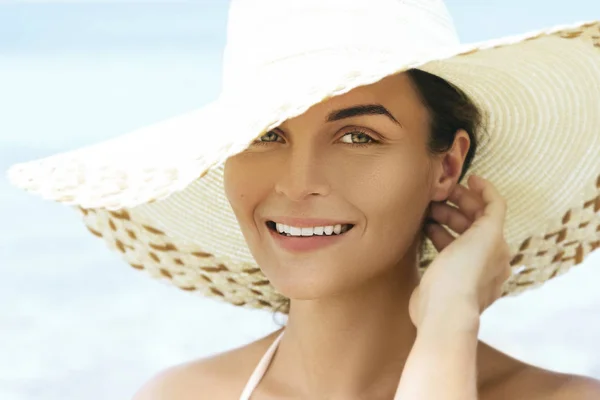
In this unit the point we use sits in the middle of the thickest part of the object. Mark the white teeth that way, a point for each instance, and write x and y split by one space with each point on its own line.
307 231
310 231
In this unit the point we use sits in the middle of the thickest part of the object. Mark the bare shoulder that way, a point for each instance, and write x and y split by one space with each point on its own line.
221 376
531 382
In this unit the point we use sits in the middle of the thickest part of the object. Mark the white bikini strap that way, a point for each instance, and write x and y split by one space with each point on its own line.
262 366
260 370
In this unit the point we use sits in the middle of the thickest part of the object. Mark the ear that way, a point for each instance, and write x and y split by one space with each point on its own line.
448 166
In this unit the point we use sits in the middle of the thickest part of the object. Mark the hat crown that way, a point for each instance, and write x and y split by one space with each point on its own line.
262 32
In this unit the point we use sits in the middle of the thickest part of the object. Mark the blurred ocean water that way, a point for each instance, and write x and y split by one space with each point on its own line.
75 321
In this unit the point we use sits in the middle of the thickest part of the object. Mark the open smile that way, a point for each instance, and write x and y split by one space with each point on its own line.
303 239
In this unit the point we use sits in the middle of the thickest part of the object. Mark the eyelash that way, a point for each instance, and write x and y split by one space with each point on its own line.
350 132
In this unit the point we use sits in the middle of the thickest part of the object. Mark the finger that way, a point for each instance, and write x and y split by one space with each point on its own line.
469 203
450 216
495 204
439 236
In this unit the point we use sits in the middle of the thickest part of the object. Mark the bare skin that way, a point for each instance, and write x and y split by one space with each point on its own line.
349 331
223 376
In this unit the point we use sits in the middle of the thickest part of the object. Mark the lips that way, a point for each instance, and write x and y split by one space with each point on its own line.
307 238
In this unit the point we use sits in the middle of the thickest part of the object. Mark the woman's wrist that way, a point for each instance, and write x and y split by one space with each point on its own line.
445 351
461 318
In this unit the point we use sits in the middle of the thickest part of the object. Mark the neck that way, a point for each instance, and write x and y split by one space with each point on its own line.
353 344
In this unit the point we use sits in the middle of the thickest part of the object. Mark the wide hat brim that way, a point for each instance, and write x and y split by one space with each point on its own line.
156 194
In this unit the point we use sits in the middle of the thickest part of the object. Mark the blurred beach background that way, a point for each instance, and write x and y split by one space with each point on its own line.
76 322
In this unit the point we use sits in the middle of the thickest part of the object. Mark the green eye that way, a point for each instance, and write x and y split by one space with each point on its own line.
269 137
357 137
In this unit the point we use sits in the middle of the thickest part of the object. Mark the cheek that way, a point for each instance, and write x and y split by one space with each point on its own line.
247 187
393 201
240 189
385 185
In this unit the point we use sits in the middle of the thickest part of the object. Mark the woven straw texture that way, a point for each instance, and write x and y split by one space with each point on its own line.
161 205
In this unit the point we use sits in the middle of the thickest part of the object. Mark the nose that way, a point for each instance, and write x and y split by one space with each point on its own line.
302 175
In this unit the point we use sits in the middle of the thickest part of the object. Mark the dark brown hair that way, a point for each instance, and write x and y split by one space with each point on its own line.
450 109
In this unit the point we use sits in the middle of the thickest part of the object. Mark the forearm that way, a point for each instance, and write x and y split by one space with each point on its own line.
442 362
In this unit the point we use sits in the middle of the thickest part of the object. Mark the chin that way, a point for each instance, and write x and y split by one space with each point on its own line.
296 282
308 279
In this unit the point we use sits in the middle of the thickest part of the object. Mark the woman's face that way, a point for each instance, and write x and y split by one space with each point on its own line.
344 161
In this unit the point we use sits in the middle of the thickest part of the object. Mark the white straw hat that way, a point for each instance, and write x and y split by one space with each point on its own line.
156 194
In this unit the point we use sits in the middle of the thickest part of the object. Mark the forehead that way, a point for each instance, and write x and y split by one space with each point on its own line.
395 92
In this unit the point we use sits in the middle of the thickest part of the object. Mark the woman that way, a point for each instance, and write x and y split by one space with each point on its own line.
337 167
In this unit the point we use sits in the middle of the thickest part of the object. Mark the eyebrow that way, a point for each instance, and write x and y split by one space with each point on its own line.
363 109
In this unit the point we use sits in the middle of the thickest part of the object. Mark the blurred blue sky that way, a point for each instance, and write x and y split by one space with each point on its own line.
114 27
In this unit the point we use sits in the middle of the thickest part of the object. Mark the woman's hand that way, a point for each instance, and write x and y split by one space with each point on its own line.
467 275
464 279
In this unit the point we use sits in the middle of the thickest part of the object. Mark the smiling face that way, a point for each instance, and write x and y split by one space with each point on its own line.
359 161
